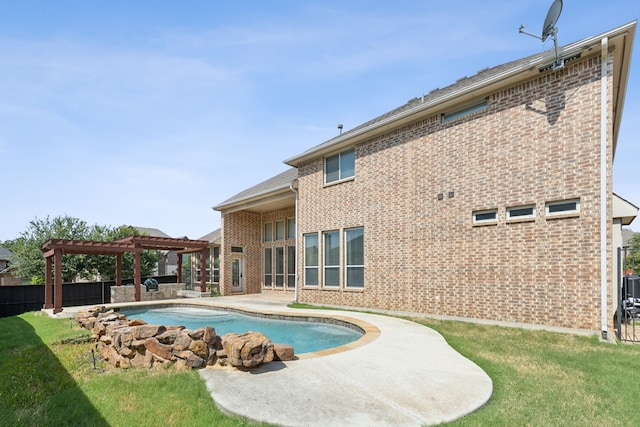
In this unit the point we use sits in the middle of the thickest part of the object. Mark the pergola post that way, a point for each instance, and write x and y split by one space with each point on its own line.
179 268
48 271
118 269
57 281
137 272
203 271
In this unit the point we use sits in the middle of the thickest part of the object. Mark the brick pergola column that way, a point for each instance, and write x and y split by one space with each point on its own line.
48 271
57 281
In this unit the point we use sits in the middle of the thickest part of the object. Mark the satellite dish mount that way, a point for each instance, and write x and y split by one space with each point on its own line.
549 29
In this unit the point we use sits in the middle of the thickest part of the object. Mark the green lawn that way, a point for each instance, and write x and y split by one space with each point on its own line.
45 382
540 379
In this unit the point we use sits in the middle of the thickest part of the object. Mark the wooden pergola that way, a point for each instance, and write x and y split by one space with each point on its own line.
53 250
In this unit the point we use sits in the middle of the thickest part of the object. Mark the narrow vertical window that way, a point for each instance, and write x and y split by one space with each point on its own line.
291 267
279 267
268 267
268 231
311 259
331 246
280 230
354 254
216 264
291 228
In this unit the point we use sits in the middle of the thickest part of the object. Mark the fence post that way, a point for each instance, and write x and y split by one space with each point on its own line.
619 285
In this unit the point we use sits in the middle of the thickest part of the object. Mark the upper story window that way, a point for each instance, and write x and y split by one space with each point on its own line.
563 208
340 166
268 231
280 230
291 228
485 217
465 111
521 213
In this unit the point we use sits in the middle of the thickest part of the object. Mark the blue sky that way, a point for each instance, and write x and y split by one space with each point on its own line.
149 113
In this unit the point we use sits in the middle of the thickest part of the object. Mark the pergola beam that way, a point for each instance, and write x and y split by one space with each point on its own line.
54 248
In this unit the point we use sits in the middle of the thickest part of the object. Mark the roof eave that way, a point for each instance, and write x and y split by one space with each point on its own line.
479 90
253 200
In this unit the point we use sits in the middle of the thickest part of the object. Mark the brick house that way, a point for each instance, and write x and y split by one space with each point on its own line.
489 199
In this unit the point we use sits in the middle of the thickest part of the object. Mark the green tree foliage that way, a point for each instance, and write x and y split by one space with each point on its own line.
632 261
29 259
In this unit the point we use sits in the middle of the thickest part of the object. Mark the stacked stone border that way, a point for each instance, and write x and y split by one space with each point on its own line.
128 343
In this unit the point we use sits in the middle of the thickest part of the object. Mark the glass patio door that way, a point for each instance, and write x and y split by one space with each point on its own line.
237 275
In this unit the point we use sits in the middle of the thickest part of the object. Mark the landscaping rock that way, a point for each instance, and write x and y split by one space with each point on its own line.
283 352
158 349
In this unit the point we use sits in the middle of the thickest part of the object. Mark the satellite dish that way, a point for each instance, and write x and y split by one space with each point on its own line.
549 29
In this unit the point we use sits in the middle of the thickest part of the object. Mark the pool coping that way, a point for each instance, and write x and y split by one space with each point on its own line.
369 331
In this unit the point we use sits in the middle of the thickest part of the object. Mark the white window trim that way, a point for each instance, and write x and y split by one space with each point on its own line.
340 179
491 221
565 213
521 218
332 266
347 266
304 260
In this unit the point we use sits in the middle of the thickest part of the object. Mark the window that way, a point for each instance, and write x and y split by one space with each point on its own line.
465 111
237 249
280 230
340 166
268 268
331 245
279 267
354 265
291 228
485 217
521 213
291 267
311 259
216 264
268 232
563 208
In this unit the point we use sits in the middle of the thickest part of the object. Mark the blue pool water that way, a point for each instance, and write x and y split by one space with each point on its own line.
304 336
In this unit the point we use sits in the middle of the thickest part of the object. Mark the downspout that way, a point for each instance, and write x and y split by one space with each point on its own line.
294 188
603 183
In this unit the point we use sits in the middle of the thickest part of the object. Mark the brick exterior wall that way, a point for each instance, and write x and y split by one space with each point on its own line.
538 142
245 229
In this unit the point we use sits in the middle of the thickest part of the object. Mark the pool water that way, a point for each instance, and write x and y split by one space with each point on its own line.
304 336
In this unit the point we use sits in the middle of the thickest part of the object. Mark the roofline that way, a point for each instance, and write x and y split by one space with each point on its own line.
479 89
253 200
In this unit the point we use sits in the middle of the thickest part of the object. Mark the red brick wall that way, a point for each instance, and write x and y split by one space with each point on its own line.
538 142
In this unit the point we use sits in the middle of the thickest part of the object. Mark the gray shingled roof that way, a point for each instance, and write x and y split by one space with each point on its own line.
213 237
465 84
5 254
278 182
153 232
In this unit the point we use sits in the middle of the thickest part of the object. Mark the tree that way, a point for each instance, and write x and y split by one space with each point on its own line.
105 265
632 262
30 262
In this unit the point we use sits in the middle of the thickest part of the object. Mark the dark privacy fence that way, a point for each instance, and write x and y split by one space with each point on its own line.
16 300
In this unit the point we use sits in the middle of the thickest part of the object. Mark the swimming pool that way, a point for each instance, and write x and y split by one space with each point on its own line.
304 336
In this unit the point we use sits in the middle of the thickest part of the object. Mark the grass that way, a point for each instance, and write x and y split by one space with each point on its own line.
540 378
47 379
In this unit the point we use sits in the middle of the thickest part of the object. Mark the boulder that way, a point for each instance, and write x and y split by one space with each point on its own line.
182 341
283 352
158 349
200 349
209 335
147 331
247 350
195 362
168 336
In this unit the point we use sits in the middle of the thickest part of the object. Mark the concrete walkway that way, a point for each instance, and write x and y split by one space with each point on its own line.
406 376
399 374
